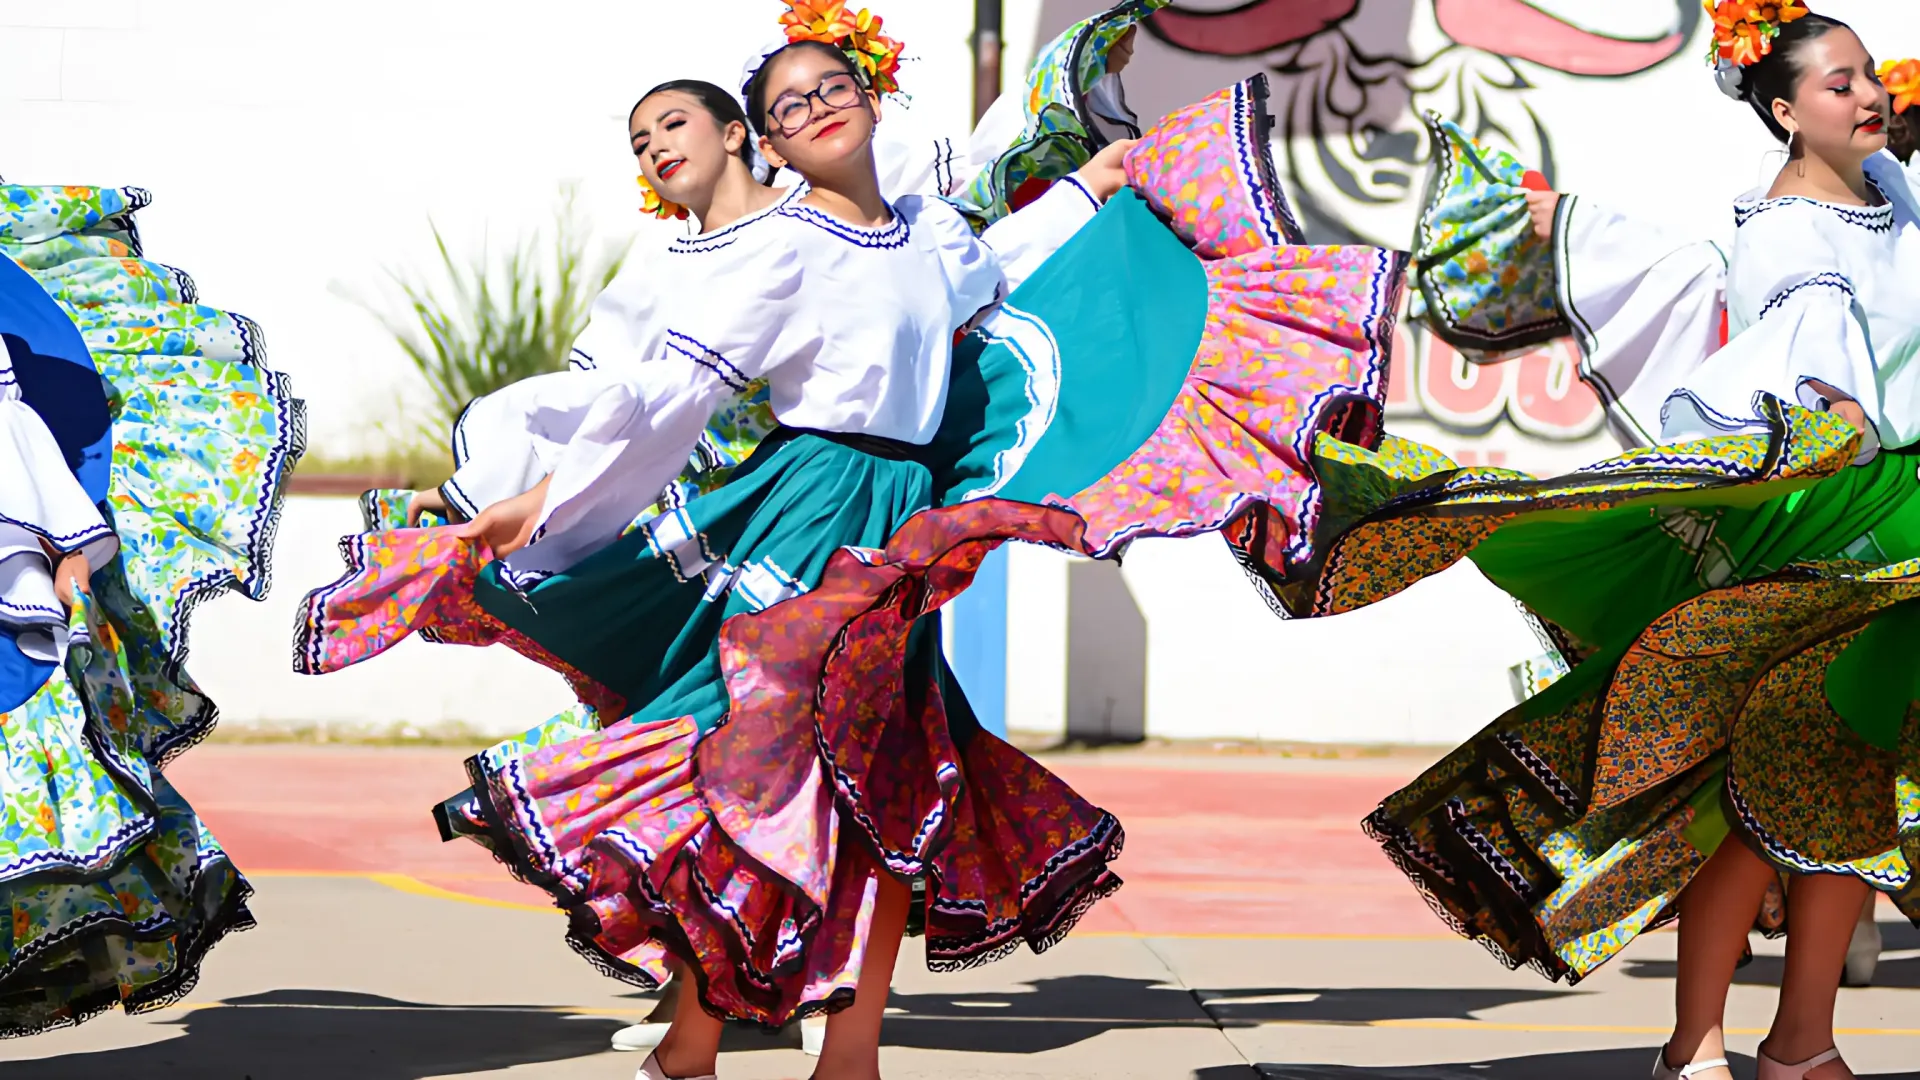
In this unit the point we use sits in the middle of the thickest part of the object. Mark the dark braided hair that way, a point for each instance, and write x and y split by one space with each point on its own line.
1775 75
716 102
757 87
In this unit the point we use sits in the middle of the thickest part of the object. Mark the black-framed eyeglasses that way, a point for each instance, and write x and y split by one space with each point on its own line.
793 112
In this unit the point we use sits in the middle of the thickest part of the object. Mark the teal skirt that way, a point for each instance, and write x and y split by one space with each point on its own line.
642 617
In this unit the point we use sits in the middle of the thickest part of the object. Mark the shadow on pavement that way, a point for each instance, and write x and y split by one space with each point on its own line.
1585 1065
1898 974
1057 1013
327 1035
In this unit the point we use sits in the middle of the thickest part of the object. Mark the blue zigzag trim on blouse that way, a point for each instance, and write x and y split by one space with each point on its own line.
943 165
66 542
1074 183
1831 280
14 609
705 243
1872 218
894 235
694 350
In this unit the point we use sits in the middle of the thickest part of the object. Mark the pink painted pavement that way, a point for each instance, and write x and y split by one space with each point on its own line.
1228 851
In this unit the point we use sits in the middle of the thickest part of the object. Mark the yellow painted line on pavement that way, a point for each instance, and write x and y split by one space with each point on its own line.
413 886
405 883
1559 1029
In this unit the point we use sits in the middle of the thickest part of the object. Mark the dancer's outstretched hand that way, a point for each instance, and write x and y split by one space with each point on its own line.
1840 404
507 525
1541 207
430 501
71 575
1106 174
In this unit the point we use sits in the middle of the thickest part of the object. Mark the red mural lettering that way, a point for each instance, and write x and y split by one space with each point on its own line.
1459 394
1403 372
1518 29
1250 29
1540 392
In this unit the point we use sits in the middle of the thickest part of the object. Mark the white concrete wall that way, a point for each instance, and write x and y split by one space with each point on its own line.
241 656
297 151
1428 666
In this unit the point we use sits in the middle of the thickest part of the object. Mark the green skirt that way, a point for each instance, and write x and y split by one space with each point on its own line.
1740 622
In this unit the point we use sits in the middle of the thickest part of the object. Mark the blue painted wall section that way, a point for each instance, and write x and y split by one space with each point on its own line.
977 642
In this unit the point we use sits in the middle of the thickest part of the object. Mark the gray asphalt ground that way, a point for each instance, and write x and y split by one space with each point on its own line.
349 979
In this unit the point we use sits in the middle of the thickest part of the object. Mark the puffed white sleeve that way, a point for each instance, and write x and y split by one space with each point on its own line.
918 166
742 320
1027 237
1646 308
508 441
1809 328
40 500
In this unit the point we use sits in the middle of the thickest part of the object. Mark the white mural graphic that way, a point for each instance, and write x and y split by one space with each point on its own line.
1350 80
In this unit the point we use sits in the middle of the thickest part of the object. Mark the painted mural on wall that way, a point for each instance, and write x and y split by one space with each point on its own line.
1350 80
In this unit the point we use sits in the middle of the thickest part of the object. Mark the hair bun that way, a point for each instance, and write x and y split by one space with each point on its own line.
1731 78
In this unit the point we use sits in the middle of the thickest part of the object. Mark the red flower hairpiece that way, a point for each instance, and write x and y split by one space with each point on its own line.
1743 30
855 33
1902 80
651 202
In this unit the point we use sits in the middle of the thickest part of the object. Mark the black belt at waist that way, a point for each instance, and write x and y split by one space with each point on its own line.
885 449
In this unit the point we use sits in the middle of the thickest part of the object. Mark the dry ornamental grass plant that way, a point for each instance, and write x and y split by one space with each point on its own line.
495 322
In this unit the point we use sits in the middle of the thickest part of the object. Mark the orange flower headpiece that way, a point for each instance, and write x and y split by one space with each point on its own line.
876 55
651 202
1743 30
1902 80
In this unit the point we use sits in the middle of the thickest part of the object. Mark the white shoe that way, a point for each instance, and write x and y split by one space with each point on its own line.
1863 953
651 1070
644 1036
1664 1071
813 1035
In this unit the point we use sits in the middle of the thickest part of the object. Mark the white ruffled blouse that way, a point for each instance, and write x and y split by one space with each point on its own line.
39 499
851 327
1645 306
1817 292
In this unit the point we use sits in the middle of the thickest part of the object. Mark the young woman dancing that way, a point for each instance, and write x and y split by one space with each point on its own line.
1734 602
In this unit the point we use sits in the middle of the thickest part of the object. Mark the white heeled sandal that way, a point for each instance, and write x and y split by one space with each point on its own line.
650 1070
1773 1070
1664 1071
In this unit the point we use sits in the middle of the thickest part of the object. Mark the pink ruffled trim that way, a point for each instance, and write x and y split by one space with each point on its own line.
414 580
1297 343
752 851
